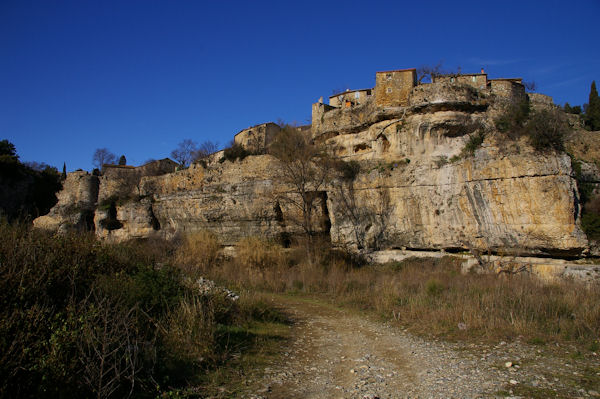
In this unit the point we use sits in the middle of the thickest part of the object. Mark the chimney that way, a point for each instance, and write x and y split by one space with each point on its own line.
482 71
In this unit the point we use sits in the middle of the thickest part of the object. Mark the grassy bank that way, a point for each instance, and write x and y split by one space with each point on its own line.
426 296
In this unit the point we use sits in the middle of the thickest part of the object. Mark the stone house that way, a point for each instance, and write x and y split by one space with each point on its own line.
349 98
392 88
257 138
396 88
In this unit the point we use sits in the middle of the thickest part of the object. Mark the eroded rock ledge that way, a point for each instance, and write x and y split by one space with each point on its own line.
416 188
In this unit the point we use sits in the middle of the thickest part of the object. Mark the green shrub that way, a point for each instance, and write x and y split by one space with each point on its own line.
79 317
544 128
514 118
434 287
348 170
590 223
472 144
441 161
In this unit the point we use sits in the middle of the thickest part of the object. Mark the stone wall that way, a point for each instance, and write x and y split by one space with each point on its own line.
541 101
122 182
444 92
318 115
508 89
256 138
392 88
476 80
158 167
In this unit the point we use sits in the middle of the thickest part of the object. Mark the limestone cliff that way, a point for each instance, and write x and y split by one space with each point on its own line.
417 187
76 204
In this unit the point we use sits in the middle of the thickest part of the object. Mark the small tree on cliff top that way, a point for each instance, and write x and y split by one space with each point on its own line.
303 167
103 156
592 114
184 153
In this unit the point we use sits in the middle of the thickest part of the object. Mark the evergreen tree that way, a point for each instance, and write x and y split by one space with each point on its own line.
122 160
592 114
8 148
63 176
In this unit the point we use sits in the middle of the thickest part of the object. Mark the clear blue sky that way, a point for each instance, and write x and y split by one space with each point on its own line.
138 77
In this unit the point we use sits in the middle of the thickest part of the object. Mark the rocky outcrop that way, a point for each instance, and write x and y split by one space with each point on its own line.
426 182
76 204
418 191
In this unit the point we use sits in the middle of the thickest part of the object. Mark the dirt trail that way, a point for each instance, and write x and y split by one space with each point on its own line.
339 354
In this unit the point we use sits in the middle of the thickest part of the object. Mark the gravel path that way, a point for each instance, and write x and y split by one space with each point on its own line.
339 354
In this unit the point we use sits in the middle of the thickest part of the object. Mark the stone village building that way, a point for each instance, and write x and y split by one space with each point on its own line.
393 89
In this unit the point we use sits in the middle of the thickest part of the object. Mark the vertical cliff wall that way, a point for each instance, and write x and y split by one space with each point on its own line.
433 175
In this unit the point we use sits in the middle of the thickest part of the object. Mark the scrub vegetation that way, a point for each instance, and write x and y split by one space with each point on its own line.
427 296
85 319
88 319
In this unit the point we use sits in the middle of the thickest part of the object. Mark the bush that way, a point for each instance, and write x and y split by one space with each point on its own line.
29 189
514 118
590 223
348 170
83 319
235 152
544 128
472 144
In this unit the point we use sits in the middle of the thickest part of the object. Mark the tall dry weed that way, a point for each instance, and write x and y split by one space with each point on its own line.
199 252
429 296
189 332
256 253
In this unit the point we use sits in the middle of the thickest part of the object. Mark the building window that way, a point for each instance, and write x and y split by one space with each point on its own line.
388 90
357 95
452 80
388 76
473 78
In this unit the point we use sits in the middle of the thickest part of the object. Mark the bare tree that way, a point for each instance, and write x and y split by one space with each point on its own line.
185 152
530 86
206 148
102 156
429 72
346 202
109 347
304 168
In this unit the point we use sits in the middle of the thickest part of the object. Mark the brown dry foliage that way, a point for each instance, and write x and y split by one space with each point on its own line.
427 296
199 251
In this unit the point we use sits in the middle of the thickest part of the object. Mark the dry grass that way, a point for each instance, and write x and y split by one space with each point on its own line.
428 296
190 330
199 251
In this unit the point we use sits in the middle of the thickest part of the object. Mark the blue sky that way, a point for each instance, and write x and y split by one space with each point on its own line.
138 77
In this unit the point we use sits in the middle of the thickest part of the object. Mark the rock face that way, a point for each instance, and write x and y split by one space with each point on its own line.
425 182
76 204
